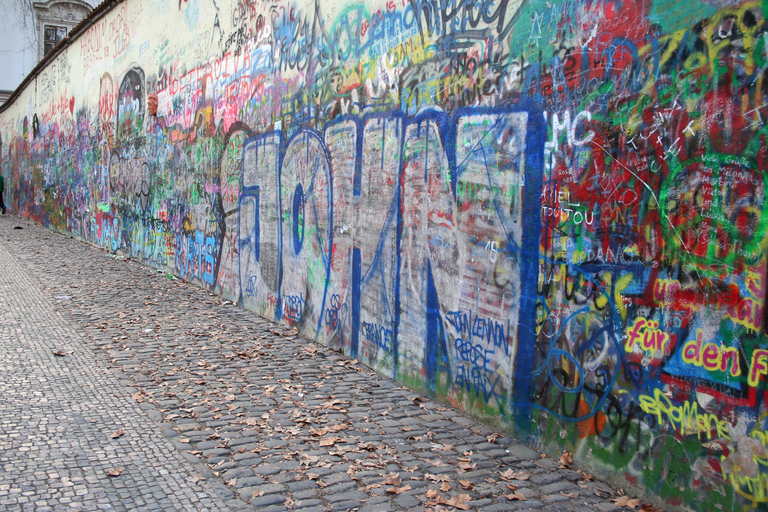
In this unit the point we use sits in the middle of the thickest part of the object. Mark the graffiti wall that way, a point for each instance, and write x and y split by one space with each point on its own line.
549 213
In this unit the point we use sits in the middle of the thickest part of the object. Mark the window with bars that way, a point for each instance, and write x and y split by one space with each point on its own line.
52 35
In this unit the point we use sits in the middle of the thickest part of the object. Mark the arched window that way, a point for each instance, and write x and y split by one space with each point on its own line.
55 19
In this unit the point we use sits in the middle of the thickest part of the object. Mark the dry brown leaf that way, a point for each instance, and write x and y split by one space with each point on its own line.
117 433
257 493
514 475
445 487
231 482
511 487
398 490
393 479
367 446
329 441
456 501
431 494
517 495
467 466
586 476
624 501
438 478
566 459
115 472
570 494
466 484
313 476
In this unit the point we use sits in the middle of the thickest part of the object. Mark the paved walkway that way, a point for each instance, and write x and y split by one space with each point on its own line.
164 397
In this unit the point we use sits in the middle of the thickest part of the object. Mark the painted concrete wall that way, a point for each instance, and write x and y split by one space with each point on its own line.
549 213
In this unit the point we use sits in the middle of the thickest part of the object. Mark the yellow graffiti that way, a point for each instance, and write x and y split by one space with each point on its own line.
756 486
758 366
749 310
685 418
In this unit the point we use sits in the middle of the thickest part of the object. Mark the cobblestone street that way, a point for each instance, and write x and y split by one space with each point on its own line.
126 389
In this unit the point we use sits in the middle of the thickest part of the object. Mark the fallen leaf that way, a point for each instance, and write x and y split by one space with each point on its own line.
517 495
61 353
258 493
445 487
115 472
438 478
570 494
466 484
493 437
586 476
456 501
624 501
231 482
466 466
566 459
117 433
514 475
393 479
399 490
431 494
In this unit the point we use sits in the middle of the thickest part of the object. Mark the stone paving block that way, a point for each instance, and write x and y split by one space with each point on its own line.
269 499
168 361
557 487
342 506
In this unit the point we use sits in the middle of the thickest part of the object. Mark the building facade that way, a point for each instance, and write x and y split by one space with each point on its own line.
29 31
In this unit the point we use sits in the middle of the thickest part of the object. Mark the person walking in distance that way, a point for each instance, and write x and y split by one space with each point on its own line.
2 193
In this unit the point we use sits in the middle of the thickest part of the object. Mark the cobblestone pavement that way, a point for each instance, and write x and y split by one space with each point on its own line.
221 409
60 416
